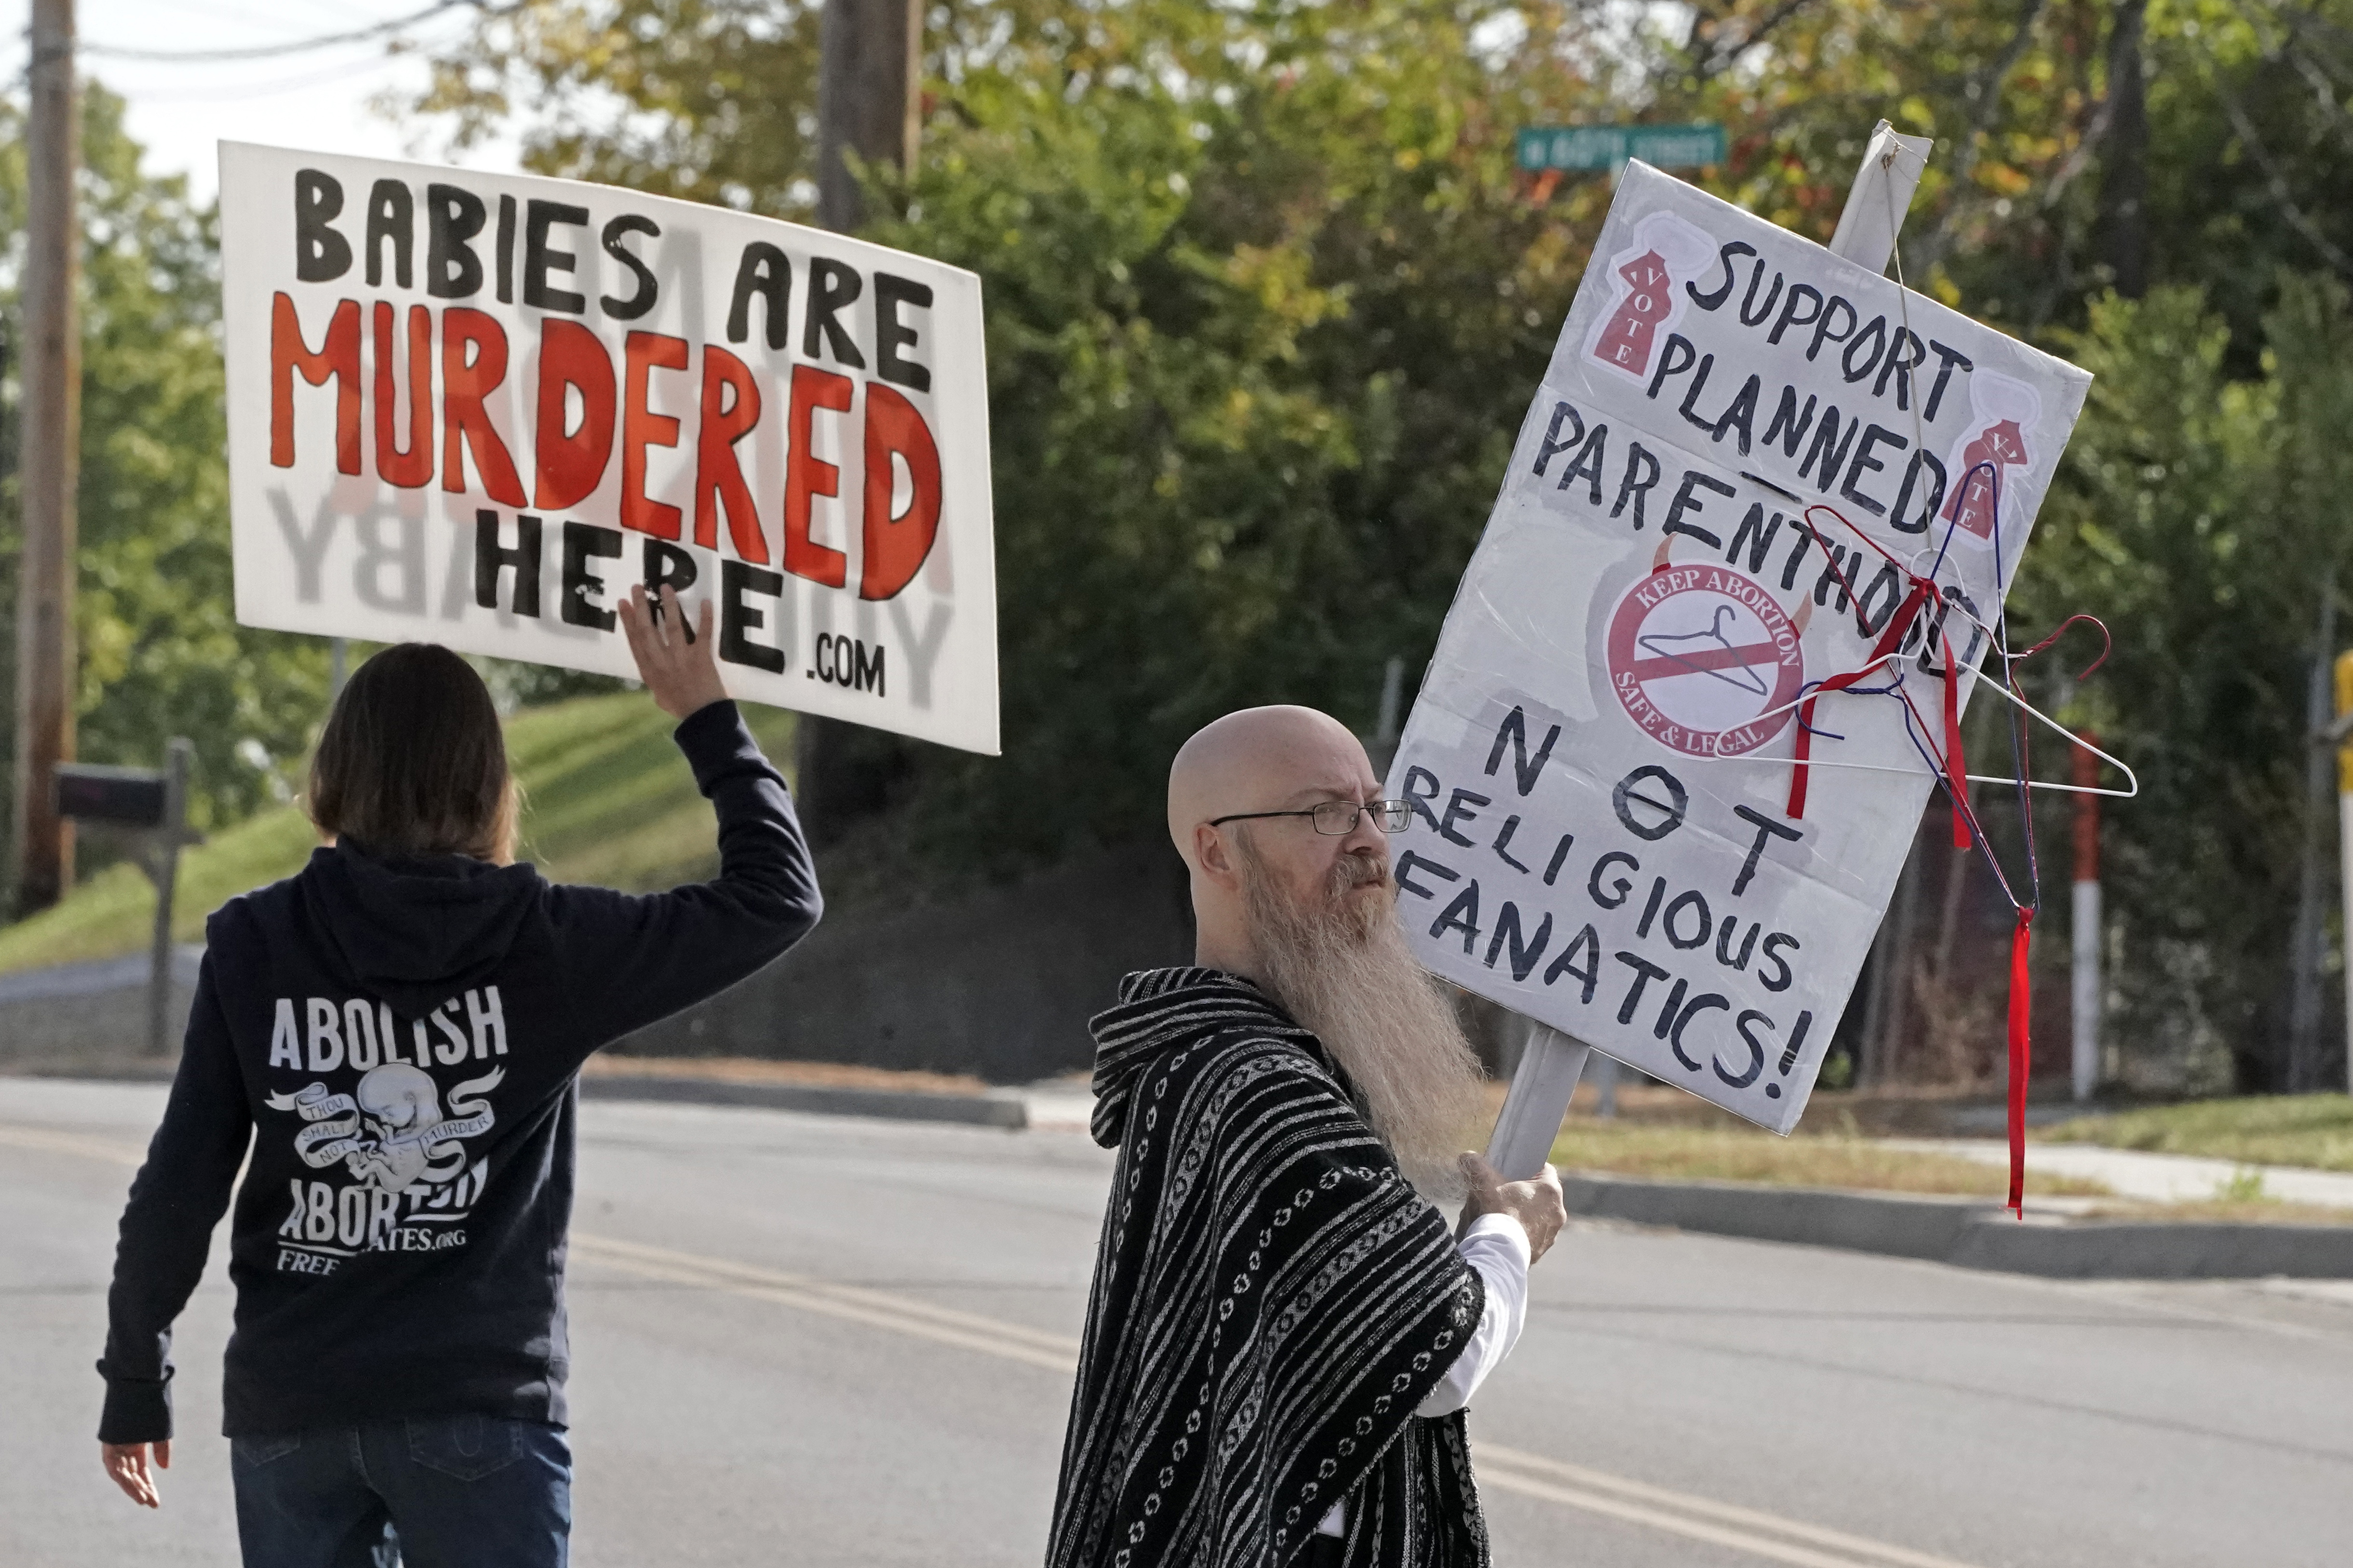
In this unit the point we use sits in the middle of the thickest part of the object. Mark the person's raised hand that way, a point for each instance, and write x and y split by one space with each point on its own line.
126 1467
677 667
1535 1202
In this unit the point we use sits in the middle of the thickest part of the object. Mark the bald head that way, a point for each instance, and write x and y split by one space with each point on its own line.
1269 760
1311 916
1263 759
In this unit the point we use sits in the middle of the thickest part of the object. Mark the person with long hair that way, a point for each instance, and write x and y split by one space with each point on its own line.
1283 1336
391 1042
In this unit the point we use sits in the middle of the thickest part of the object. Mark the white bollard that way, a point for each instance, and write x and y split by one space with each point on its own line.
2086 1058
2086 1063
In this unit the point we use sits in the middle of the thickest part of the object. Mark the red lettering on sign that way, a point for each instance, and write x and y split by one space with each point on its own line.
571 462
642 427
413 469
718 477
896 546
473 364
807 476
338 355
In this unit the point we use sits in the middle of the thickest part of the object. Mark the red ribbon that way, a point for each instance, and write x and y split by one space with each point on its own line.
2021 993
1797 759
2021 1056
1889 641
1955 771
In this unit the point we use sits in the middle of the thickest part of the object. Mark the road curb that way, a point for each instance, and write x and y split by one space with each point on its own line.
1006 1111
1969 1232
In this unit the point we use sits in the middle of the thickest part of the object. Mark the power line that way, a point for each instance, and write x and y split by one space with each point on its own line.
299 46
197 92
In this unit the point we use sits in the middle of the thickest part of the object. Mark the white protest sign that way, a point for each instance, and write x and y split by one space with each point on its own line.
1601 755
474 409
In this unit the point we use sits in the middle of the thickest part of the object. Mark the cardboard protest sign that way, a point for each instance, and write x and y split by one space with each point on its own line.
1601 755
474 409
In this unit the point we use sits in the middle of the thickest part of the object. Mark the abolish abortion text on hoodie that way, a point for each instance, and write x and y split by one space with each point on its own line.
399 1040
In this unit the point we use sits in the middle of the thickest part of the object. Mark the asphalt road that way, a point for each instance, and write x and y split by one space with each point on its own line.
800 1340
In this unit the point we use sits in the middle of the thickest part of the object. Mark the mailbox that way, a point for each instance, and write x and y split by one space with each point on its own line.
127 797
153 800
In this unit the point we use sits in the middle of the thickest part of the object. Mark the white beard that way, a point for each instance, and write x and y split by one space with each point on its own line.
1341 967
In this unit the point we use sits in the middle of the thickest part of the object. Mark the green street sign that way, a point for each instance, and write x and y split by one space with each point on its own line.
1543 147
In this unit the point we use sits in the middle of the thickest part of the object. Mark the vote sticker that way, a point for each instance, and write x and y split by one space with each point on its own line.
1704 660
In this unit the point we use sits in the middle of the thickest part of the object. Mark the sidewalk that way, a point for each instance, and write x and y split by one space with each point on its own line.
833 1089
2156 1178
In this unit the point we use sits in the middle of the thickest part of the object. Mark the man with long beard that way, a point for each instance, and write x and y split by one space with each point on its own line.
1283 1333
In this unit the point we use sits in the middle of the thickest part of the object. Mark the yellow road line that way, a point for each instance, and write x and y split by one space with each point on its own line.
613 1251
1658 1519
1749 1531
1744 1530
875 1309
1628 1494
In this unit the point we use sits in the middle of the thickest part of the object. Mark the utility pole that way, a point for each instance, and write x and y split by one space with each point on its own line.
2304 953
868 74
869 69
51 368
2124 180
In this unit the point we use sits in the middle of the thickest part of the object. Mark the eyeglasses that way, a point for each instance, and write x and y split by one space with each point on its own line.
1337 818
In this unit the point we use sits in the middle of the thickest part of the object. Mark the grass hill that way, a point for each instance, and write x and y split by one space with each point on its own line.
608 799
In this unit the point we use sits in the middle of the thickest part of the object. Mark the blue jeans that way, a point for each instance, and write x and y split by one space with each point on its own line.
438 1491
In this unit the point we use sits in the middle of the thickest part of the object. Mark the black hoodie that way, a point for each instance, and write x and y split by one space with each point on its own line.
401 1038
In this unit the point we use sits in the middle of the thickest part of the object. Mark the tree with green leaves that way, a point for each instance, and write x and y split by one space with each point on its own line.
1266 300
159 652
2199 515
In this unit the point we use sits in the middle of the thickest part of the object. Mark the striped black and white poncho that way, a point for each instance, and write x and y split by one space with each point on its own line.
1271 1300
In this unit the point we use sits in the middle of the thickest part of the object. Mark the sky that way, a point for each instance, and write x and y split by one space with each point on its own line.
316 100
